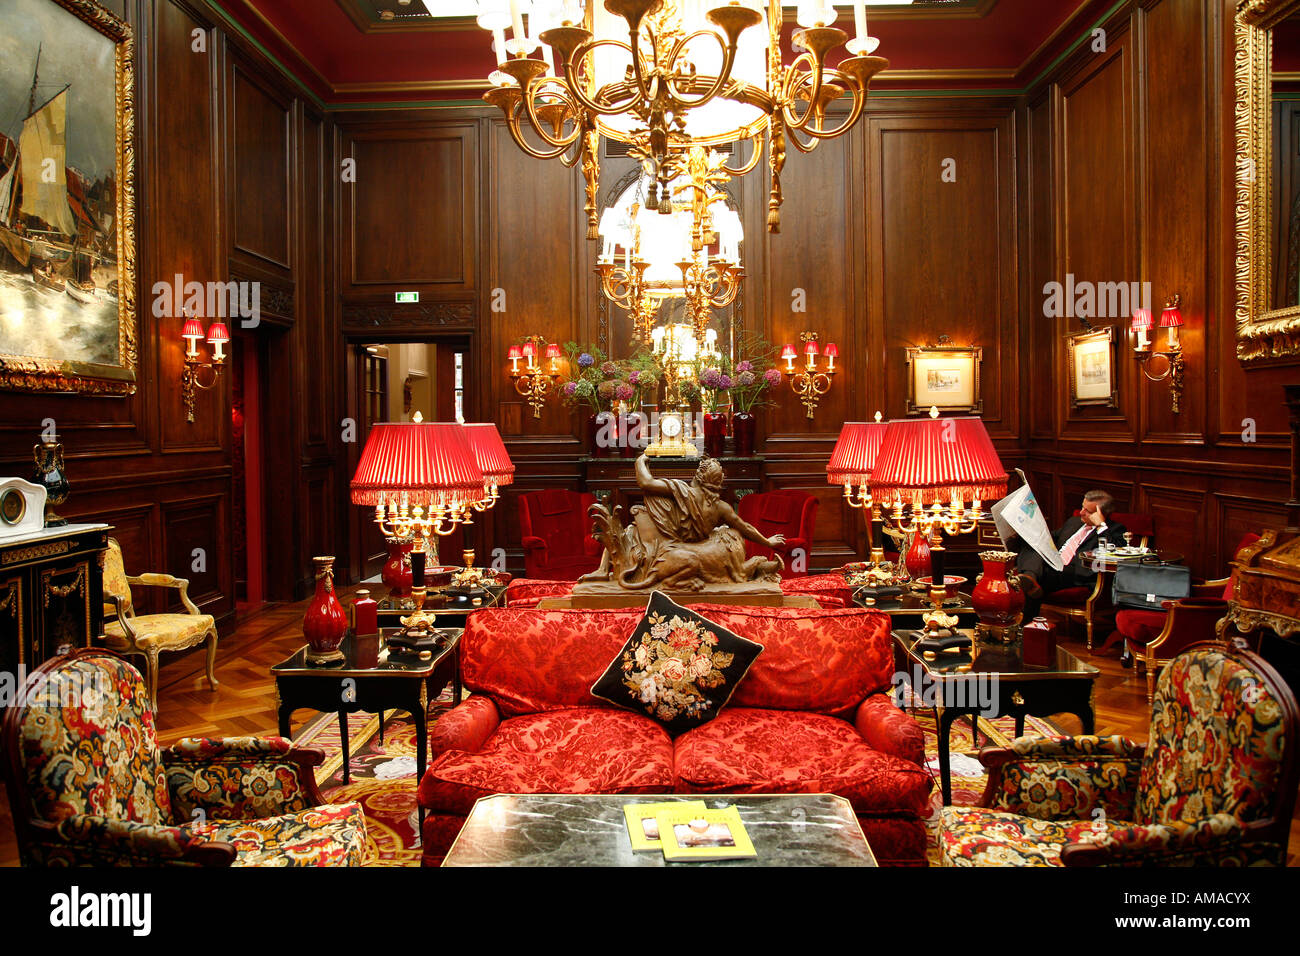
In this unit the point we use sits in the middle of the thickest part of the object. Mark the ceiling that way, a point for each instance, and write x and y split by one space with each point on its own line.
350 55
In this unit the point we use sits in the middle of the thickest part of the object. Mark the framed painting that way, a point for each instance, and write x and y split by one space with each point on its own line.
944 377
67 199
1091 358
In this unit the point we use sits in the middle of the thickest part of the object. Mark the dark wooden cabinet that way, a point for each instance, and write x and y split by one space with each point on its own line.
613 480
51 594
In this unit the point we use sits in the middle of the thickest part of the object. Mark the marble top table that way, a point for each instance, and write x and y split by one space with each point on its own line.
545 829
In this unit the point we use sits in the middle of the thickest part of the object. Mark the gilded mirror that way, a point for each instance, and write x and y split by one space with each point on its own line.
1267 67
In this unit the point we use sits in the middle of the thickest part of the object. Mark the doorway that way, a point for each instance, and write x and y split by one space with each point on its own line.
391 382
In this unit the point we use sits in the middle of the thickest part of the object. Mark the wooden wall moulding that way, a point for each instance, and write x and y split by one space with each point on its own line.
1265 332
368 318
275 296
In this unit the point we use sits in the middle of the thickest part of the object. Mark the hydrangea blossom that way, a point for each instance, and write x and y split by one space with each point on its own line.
745 378
744 366
585 360
609 369
570 388
624 392
772 376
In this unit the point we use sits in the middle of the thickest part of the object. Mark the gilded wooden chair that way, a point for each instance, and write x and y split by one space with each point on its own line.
1214 786
148 635
89 786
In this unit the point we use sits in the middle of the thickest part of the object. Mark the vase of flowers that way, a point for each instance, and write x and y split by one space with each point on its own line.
715 385
751 382
591 389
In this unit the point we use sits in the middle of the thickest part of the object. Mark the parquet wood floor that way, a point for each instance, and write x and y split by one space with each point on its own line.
244 703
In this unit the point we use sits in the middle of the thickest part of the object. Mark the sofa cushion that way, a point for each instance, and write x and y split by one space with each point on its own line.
576 750
528 660
747 750
677 666
825 661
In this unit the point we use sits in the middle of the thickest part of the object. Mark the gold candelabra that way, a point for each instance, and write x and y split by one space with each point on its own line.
1171 318
533 381
809 382
192 332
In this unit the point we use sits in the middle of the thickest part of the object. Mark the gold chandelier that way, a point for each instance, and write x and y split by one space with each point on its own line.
700 75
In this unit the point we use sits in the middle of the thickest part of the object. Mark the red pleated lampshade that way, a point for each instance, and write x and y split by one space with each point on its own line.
490 453
933 457
855 453
432 463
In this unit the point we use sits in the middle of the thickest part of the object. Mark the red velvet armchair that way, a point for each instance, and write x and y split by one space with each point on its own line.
557 534
1156 637
788 512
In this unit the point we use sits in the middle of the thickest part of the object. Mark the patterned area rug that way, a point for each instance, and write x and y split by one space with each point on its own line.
967 773
382 776
383 773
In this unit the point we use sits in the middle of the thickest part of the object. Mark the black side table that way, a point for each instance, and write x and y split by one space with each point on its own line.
992 680
397 682
451 614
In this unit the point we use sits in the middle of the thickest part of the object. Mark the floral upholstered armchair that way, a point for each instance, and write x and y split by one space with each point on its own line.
89 786
1215 786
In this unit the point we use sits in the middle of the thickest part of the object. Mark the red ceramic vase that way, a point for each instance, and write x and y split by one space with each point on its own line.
635 434
396 573
743 425
602 435
715 434
325 622
996 601
918 557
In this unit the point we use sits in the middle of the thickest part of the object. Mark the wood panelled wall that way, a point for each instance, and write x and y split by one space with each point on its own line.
1129 179
231 185
888 255
1117 166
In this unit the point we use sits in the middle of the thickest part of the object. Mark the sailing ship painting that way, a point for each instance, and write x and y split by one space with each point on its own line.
61 289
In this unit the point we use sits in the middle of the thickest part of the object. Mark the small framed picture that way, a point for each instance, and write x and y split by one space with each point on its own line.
946 377
1091 360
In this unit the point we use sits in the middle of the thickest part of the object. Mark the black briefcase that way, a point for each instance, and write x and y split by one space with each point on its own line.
1146 586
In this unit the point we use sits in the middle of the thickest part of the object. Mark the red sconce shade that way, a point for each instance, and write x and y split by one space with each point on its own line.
1171 317
934 457
431 462
1141 319
217 332
529 350
514 352
832 350
811 347
490 453
553 351
193 329
855 453
788 352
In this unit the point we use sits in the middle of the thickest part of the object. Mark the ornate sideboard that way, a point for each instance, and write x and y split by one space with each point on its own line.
51 593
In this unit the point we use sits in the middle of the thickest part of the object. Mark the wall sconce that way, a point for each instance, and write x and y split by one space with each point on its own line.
533 381
217 335
809 383
1171 318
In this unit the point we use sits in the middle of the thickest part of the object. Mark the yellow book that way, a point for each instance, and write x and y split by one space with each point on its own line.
704 834
643 825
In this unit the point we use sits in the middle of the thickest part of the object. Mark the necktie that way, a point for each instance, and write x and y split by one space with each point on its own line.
1071 546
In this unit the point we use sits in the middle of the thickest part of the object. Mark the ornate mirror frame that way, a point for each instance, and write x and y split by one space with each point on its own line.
1263 334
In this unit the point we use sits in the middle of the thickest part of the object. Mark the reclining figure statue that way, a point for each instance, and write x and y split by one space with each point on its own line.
683 538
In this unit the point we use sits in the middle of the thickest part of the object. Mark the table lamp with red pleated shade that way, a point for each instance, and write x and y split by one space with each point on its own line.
492 459
421 477
851 463
925 462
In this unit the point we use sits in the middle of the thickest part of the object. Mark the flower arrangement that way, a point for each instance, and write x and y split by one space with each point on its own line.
753 377
715 385
586 382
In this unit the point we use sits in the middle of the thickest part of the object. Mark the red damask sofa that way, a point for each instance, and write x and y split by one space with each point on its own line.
813 715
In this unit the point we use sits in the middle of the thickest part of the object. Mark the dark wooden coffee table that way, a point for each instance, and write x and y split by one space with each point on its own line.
542 829
397 682
992 680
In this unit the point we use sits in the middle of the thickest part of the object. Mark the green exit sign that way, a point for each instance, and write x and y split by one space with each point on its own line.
407 296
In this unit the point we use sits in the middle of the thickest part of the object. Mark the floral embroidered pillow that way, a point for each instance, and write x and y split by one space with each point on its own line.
677 667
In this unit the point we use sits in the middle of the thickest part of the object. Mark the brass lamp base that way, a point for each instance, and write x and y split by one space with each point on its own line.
672 448
323 657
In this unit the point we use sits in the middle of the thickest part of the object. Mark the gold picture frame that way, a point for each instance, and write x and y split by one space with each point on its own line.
1264 334
67 244
944 376
1090 358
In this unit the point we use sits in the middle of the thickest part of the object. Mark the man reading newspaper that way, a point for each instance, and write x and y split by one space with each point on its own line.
1052 562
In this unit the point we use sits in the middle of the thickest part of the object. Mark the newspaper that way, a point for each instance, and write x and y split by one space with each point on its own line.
1019 514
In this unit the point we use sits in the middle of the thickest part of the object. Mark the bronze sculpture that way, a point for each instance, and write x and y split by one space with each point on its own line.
683 538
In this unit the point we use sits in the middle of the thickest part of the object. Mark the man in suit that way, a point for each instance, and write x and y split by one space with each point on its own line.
1081 533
